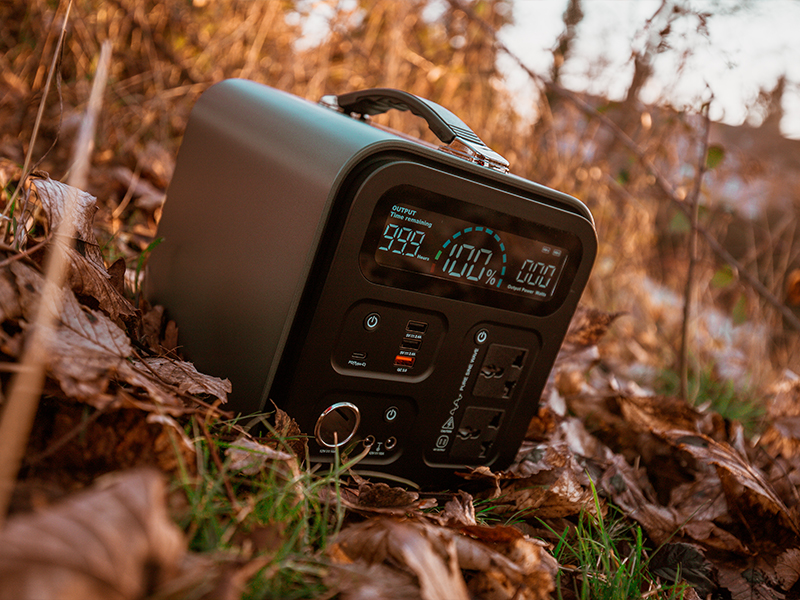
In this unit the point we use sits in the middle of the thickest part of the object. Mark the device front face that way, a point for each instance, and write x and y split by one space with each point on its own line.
432 317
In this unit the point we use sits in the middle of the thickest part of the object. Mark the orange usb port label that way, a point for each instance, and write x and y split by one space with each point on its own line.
404 361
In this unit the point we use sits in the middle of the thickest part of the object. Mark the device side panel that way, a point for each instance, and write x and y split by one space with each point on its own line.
243 216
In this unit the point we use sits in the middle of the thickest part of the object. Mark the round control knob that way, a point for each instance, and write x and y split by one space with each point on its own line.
337 424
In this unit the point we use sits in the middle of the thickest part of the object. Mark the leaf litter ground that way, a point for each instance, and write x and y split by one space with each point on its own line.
718 510
129 440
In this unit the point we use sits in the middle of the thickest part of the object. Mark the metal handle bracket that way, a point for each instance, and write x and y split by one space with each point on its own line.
458 138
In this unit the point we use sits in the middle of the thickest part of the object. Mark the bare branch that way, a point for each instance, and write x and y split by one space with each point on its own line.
662 183
683 359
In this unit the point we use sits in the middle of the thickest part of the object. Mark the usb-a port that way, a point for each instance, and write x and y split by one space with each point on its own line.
416 326
410 344
404 361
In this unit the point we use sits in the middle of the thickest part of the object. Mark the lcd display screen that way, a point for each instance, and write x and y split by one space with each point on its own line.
430 243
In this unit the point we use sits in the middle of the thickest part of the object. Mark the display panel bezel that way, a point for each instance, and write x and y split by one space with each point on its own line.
425 199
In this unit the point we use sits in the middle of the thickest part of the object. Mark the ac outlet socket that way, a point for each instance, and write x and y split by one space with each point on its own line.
501 369
476 432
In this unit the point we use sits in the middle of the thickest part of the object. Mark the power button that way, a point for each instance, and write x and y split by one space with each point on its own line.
372 321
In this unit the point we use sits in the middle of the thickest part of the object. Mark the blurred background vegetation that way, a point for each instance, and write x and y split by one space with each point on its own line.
633 176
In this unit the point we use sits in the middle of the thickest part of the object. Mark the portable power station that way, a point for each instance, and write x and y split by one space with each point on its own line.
386 293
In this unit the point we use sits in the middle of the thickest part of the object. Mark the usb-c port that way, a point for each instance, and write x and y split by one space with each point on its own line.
416 326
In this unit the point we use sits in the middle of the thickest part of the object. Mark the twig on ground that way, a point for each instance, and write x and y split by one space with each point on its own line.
23 254
683 358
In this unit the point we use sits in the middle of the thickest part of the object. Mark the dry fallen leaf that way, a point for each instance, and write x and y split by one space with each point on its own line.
782 437
546 482
84 348
165 377
751 499
504 564
249 457
579 351
87 274
675 561
744 582
87 278
587 328
87 351
501 563
107 543
361 581
426 552
379 498
458 511
788 568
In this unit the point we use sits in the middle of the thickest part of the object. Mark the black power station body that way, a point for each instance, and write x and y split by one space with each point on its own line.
384 292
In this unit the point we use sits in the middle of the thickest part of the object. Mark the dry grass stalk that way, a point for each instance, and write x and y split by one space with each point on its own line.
37 123
26 387
683 358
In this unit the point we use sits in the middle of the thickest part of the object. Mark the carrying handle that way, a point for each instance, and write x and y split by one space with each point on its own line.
458 137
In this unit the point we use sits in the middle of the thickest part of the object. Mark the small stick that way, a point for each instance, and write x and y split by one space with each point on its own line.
683 358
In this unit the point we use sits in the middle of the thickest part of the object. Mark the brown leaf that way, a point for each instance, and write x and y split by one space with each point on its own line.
381 495
116 275
503 566
181 377
107 441
84 349
558 493
107 543
663 413
87 351
751 498
88 278
380 499
620 482
87 273
547 482
59 200
361 581
508 565
746 583
459 511
579 352
788 568
10 307
587 328
782 437
249 457
152 318
427 552
288 430
675 561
